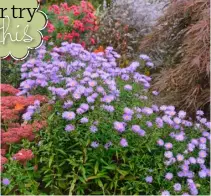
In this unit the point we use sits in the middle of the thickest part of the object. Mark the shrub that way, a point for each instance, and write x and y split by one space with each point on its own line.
103 134
123 25
180 44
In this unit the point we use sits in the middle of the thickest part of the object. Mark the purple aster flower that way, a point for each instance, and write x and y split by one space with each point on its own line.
200 160
192 160
149 179
195 142
180 157
136 128
107 145
94 144
93 129
168 176
155 108
147 111
84 120
191 147
123 142
27 116
67 104
177 187
159 122
155 93
128 111
90 99
202 154
200 112
108 108
68 115
37 103
119 126
80 111
160 142
165 193
139 116
177 120
202 140
127 117
168 146
84 106
149 64
185 194
168 154
149 124
6 181
144 57
202 174
182 114
202 146
69 128
128 87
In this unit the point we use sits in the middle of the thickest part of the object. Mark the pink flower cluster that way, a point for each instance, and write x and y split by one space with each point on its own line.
83 22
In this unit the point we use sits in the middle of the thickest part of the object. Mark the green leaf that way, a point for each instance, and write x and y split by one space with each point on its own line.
96 168
124 173
50 160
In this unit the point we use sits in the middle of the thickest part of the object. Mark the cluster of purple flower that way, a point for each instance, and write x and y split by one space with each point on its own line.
147 60
90 80
184 160
31 110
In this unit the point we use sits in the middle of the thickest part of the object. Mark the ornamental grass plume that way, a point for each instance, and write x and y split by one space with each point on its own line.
180 45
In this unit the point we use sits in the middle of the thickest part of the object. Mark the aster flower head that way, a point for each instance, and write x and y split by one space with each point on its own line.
177 187
69 128
165 193
202 173
127 117
94 144
181 114
168 154
160 142
67 104
68 115
202 154
168 145
144 57
155 93
93 129
119 126
123 142
84 120
128 111
5 181
149 124
180 157
147 111
168 176
128 87
149 179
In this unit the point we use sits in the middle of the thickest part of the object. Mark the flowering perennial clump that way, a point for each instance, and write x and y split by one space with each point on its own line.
102 106
73 23
15 109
